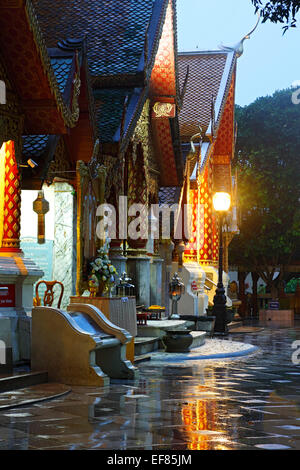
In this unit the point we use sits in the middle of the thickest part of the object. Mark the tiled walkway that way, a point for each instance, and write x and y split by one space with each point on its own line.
249 403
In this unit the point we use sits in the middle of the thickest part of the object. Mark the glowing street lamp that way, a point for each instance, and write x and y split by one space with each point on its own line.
221 203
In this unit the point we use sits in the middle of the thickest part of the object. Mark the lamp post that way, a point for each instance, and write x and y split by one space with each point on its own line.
221 203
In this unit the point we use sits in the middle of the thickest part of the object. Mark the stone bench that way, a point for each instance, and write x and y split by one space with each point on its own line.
79 346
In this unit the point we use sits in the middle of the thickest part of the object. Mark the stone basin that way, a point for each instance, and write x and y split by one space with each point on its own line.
176 341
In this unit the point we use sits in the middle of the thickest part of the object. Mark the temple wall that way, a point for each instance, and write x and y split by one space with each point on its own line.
57 257
64 256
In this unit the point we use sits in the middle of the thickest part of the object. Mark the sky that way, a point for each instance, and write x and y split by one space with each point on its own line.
271 60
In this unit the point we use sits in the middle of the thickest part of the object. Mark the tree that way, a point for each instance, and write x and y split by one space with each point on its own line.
278 11
267 159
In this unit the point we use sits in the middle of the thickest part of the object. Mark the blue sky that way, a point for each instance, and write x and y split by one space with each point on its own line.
270 61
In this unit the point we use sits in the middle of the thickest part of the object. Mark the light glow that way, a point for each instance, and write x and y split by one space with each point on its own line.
221 201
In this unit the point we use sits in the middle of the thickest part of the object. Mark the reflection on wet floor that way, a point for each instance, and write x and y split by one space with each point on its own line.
248 403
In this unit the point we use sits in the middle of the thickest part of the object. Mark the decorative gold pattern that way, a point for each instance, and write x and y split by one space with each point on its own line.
162 109
142 135
60 163
12 202
90 193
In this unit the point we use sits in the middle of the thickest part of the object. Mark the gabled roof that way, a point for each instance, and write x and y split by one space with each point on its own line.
208 101
34 146
122 38
209 76
126 40
41 147
62 67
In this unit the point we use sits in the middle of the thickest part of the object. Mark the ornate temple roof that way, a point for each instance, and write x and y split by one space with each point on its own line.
122 38
115 30
62 67
39 146
130 46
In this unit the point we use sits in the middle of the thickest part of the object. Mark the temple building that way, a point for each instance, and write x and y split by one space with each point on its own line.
91 115
101 108
135 98
40 107
207 133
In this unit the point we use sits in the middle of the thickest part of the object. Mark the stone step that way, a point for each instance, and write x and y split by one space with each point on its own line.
157 328
145 345
234 324
198 339
17 381
142 358
32 395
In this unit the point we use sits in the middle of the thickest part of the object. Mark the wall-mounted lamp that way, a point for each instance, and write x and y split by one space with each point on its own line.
30 163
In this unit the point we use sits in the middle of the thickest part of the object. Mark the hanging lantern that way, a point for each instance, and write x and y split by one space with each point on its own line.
41 207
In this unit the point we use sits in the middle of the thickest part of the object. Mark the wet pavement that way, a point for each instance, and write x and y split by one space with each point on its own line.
247 403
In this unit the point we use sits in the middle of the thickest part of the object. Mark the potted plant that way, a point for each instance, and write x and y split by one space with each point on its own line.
102 275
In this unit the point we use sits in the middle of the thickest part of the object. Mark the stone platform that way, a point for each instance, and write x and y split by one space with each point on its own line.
32 395
212 349
150 336
24 379
157 328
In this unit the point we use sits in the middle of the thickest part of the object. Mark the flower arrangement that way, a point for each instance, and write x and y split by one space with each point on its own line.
103 273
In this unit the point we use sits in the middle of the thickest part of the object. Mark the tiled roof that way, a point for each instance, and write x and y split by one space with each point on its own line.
205 75
34 145
110 104
115 30
169 195
120 35
62 67
41 149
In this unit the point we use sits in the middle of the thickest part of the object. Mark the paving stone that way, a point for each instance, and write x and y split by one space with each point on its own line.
248 403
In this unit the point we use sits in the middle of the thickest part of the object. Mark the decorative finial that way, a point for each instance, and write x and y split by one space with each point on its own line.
239 47
198 135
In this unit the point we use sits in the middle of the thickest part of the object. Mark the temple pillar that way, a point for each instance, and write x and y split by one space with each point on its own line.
17 274
138 269
12 202
116 251
138 262
156 281
166 248
64 253
117 257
